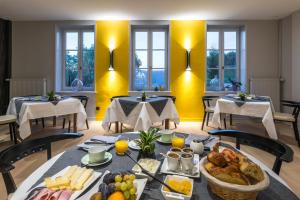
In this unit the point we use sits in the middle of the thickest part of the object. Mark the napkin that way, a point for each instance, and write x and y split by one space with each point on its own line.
109 140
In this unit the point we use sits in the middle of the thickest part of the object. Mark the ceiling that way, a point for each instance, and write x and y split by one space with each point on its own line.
146 9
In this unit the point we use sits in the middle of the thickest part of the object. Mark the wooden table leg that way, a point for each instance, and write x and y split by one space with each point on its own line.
75 122
54 121
117 127
167 124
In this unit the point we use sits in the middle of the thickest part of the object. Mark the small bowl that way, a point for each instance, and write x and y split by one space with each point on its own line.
173 195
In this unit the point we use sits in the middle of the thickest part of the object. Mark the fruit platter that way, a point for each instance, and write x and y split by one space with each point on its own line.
231 175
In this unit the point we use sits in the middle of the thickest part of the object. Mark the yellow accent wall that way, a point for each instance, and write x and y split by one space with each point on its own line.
188 86
111 34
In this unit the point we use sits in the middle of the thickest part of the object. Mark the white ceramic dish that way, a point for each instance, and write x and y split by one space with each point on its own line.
163 142
196 170
133 145
145 163
85 160
173 195
75 193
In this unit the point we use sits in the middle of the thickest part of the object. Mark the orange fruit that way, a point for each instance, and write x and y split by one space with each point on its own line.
116 196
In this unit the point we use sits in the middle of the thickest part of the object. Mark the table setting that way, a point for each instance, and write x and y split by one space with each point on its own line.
187 167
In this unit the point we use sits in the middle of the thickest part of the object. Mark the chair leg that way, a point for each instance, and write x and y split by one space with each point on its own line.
109 126
296 132
36 121
204 118
207 119
54 121
64 122
87 124
175 124
224 119
43 122
230 118
69 126
11 132
14 133
121 127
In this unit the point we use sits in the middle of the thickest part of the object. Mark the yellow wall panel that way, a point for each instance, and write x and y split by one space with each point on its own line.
111 34
188 86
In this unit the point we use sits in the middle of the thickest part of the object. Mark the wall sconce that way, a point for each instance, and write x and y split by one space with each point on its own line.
188 56
111 60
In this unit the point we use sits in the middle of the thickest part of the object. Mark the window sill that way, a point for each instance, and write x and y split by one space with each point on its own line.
220 93
136 93
76 92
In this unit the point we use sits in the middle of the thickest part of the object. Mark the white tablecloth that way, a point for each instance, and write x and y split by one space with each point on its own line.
35 110
252 109
141 117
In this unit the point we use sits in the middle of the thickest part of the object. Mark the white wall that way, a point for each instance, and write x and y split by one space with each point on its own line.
296 56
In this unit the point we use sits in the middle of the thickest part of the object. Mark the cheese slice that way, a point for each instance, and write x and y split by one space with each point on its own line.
76 175
83 178
70 171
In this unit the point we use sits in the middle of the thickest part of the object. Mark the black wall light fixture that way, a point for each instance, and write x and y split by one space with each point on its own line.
188 60
111 60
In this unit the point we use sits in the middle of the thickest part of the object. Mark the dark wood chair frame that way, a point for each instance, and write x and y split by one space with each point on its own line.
296 109
84 100
274 147
12 131
19 151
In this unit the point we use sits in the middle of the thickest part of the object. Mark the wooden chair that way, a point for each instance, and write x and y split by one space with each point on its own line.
290 117
84 100
274 147
117 123
174 100
11 121
17 152
208 108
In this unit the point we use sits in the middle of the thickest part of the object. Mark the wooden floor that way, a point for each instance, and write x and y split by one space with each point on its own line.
290 172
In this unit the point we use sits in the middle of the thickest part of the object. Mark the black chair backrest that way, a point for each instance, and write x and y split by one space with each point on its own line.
19 151
278 149
294 105
169 96
83 99
207 99
114 97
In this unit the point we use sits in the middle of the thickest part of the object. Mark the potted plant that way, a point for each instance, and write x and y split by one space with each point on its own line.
51 96
144 96
147 143
236 85
242 96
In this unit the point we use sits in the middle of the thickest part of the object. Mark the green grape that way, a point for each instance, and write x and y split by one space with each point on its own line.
126 177
132 191
132 177
129 184
123 186
118 178
118 186
126 194
133 197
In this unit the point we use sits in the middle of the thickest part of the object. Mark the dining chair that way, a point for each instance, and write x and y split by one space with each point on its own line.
174 100
11 121
290 117
84 100
111 99
208 108
282 151
19 151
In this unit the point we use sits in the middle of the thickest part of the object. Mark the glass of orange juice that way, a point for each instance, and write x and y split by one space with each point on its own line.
121 146
178 141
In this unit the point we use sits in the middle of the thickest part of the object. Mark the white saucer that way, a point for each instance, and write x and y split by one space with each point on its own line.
85 160
132 144
160 141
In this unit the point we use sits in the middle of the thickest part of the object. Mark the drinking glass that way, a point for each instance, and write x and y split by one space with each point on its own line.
121 146
178 141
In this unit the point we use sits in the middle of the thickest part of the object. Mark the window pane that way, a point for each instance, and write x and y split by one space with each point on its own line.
158 40
71 41
212 59
230 59
229 74
88 40
71 67
141 40
230 40
158 78
212 40
141 79
88 68
141 59
212 80
158 59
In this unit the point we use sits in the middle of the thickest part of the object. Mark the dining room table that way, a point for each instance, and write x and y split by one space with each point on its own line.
140 115
27 108
251 106
277 190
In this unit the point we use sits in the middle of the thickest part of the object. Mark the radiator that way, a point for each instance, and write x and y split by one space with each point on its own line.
267 87
27 86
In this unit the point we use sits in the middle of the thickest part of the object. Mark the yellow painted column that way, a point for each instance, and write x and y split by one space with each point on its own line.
188 86
111 35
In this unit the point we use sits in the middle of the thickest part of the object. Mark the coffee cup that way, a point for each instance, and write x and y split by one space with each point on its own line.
96 154
187 161
173 161
166 135
188 150
176 150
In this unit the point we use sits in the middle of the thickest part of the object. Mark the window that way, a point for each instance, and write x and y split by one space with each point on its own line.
149 58
78 57
222 58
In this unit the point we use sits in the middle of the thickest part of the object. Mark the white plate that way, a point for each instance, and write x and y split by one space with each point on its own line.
85 160
75 193
137 170
164 168
132 144
160 141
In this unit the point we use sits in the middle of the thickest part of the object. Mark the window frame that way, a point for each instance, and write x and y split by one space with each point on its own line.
149 29
80 30
221 68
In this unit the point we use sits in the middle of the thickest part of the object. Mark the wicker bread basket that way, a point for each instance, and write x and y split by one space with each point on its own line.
229 191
